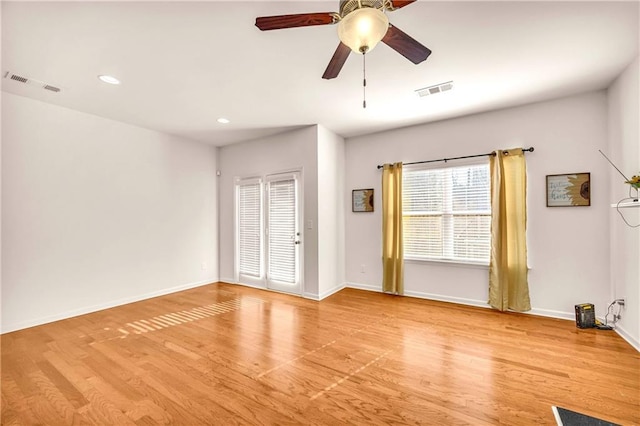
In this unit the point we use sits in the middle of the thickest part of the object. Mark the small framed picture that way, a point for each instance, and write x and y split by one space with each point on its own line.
569 190
362 200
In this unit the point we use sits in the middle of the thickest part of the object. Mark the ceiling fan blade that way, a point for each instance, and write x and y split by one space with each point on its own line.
405 45
397 4
291 21
337 61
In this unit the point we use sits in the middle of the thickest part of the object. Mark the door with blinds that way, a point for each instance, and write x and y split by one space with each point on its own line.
268 233
282 233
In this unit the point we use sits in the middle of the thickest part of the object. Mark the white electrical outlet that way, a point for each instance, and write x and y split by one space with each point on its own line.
363 269
203 265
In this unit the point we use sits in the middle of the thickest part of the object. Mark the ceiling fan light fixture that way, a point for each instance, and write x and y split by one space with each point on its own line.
363 29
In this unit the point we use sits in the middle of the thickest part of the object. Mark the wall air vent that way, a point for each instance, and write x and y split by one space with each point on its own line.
432 90
30 81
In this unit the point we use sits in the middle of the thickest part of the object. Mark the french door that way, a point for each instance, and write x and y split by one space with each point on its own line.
283 233
268 236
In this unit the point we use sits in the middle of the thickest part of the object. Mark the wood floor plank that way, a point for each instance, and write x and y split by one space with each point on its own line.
67 412
226 354
14 405
66 389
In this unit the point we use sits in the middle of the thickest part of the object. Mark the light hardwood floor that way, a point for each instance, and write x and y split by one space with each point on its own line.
224 354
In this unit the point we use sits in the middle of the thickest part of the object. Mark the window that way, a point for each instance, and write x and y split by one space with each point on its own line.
447 214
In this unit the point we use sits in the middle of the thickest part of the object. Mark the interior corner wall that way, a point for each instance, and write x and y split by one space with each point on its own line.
624 151
296 149
331 212
0 219
568 246
98 213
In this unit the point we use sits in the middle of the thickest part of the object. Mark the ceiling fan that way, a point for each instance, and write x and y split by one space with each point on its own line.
361 25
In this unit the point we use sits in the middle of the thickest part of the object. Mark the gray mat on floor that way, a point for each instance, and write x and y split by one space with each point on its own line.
566 417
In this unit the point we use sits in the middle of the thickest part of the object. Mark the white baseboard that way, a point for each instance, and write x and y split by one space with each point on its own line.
450 299
464 301
328 293
312 296
626 336
247 285
483 304
306 295
367 287
7 328
571 316
421 295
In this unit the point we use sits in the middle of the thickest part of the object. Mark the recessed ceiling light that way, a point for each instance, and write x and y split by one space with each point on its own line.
223 120
109 79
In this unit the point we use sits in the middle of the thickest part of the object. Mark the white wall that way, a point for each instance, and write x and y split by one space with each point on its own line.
284 152
568 247
97 213
624 151
331 212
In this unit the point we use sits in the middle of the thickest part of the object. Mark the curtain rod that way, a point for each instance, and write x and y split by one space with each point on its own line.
491 154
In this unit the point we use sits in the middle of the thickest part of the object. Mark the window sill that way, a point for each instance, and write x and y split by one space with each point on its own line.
457 263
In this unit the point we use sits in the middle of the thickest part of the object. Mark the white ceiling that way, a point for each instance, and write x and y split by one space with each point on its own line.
184 64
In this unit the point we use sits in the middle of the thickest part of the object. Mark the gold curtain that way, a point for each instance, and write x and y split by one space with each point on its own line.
508 286
392 251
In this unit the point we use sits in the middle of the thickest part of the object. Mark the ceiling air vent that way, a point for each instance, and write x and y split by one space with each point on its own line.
432 90
31 81
18 78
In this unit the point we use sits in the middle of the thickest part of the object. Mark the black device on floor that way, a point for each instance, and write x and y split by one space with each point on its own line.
585 315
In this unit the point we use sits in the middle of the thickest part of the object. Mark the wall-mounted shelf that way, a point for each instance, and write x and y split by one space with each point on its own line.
627 204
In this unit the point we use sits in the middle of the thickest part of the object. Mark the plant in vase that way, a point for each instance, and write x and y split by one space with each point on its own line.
634 182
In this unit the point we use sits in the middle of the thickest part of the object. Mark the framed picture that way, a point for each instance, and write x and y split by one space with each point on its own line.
569 190
362 200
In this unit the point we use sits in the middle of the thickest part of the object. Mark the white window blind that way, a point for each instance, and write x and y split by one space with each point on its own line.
282 230
447 213
249 228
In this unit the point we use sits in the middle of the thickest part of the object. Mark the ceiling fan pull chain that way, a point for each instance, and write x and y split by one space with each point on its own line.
364 81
